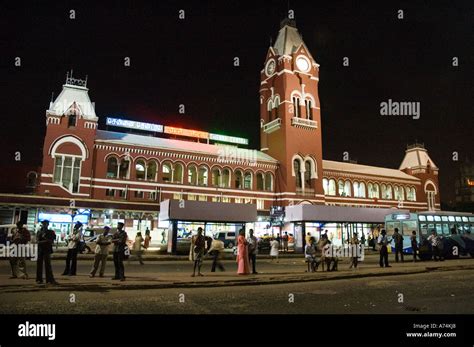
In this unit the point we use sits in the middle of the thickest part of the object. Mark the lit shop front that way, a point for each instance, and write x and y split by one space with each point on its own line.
338 222
218 220
62 223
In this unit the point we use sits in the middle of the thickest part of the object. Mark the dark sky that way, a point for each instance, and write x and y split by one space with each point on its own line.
190 62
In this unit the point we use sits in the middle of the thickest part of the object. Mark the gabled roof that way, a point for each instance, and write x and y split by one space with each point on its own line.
366 170
179 145
73 94
289 40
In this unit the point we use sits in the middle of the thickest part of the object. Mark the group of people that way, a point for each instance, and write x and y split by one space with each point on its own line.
247 250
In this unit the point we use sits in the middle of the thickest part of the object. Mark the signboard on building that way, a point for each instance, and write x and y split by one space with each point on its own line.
134 125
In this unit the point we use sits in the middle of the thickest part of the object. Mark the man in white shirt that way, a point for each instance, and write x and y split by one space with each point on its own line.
383 241
436 245
101 252
73 245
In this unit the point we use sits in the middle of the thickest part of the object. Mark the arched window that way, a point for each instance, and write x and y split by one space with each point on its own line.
239 179
276 105
307 174
260 181
297 169
248 180
66 172
71 122
178 173
268 181
166 172
413 194
296 106
373 190
192 175
202 176
396 193
112 167
225 179
326 186
124 168
355 188
430 191
269 109
332 187
347 188
402 193
151 171
340 188
389 192
216 177
362 190
309 108
140 170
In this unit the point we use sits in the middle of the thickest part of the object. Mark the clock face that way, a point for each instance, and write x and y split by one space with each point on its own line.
303 64
270 68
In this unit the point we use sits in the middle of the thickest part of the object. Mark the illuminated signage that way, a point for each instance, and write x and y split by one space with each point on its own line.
63 218
186 132
229 139
401 216
134 125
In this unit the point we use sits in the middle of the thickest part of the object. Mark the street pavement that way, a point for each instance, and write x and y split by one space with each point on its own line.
428 287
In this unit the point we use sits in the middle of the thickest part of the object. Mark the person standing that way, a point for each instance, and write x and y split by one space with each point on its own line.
285 242
101 253
362 240
196 253
73 246
163 234
436 245
398 238
217 247
310 255
147 241
308 236
253 251
274 249
382 241
414 245
355 244
45 239
20 236
138 248
119 240
243 267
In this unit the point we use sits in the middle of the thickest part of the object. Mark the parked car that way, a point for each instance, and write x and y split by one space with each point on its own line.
228 237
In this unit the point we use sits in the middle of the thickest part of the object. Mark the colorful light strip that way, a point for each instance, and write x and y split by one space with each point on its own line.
116 122
134 125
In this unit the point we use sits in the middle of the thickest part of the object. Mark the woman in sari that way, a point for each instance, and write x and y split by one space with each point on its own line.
242 254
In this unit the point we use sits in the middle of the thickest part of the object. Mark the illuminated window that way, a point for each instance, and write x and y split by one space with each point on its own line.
124 168
373 190
297 170
340 188
151 171
215 199
140 170
216 177
192 175
238 200
166 172
359 189
248 180
202 176
309 109
268 182
202 198
112 167
152 196
191 197
225 179
260 204
326 186
332 187
225 199
178 173
238 179
66 172
260 181
177 196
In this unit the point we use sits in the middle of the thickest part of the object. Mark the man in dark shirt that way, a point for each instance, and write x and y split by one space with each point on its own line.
119 241
45 238
398 239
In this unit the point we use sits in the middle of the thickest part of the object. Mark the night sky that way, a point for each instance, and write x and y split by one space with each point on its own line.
190 62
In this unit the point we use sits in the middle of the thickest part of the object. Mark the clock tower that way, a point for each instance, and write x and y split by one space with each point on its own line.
290 117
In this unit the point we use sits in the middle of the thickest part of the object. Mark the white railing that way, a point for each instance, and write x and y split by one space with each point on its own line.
272 126
306 123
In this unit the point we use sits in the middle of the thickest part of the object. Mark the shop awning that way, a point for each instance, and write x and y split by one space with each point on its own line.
203 211
338 214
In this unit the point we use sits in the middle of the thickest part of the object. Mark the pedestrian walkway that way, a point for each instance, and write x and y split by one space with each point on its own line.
286 271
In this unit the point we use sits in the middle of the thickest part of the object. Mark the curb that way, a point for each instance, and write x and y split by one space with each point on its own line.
244 282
